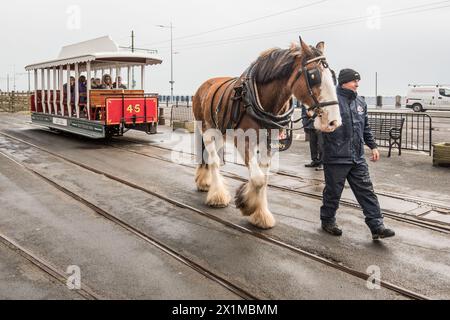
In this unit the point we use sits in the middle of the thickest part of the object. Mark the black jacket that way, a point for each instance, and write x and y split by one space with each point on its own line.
346 144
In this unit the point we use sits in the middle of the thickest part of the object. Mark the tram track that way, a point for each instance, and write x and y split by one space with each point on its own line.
389 213
123 224
257 234
46 267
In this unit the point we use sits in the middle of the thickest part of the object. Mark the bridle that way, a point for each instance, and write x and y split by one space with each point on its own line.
313 77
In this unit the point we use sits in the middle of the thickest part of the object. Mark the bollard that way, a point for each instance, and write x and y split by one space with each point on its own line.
398 102
379 104
162 119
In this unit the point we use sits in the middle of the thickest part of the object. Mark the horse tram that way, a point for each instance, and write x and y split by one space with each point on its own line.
97 105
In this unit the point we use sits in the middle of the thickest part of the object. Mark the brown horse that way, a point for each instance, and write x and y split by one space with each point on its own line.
258 100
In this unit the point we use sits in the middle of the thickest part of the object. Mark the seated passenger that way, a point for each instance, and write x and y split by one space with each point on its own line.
118 84
107 82
72 85
93 84
72 89
82 89
98 83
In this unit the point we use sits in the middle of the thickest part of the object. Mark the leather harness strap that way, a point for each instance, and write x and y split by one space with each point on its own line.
228 100
214 112
219 104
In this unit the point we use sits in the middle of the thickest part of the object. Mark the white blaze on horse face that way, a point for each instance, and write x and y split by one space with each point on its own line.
331 118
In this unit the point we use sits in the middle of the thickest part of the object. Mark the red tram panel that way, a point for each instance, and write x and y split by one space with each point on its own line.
133 110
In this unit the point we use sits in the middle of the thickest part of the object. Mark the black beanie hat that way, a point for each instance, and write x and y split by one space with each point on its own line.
347 75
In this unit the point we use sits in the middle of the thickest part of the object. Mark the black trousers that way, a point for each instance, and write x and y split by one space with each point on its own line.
316 145
358 178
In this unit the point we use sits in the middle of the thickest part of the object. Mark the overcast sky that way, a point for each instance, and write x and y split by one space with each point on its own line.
403 49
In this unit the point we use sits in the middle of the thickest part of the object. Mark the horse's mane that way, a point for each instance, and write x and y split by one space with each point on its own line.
275 63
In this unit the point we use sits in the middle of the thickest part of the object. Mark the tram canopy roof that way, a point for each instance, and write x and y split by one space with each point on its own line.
102 53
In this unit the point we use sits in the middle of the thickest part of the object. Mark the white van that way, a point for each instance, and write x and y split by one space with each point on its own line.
422 98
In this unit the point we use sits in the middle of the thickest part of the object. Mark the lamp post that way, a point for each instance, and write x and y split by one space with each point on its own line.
171 58
376 84
14 78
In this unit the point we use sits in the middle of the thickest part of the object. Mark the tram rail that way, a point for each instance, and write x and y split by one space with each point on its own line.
107 215
85 292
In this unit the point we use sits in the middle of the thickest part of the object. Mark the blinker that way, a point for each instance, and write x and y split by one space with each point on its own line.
314 77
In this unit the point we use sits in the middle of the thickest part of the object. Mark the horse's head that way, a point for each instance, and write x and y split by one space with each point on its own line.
314 84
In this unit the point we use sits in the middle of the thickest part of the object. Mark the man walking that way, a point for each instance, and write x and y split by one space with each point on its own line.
344 159
315 142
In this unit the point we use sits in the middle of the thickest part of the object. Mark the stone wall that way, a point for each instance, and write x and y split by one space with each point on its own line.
14 101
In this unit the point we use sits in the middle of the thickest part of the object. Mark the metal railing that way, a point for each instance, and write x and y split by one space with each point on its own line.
181 113
177 100
416 133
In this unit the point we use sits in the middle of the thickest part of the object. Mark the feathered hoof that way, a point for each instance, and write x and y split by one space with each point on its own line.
262 219
203 179
218 199
203 188
242 200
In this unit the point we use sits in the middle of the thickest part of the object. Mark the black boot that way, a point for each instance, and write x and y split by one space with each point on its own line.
313 164
382 233
332 229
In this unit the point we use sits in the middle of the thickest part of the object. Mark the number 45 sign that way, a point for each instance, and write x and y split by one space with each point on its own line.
133 110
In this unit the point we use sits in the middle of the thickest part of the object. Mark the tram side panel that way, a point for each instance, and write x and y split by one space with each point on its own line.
51 116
